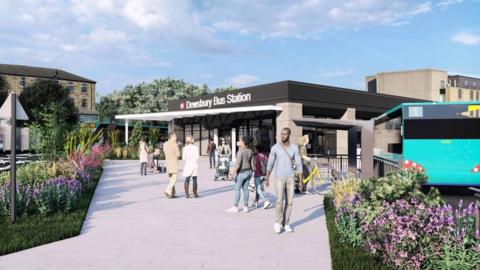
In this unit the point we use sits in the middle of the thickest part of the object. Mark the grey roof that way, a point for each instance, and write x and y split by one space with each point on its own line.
41 72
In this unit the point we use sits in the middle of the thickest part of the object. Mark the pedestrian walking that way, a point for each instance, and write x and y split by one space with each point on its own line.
172 153
300 186
152 166
241 171
143 154
190 154
211 151
259 173
285 159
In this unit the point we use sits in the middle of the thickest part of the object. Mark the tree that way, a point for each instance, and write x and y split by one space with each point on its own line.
4 89
107 109
224 89
137 134
49 136
39 97
147 97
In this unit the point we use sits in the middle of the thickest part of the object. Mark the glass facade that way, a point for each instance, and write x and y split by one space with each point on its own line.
322 141
261 131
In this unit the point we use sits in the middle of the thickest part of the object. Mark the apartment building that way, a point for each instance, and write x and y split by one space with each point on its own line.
426 84
81 89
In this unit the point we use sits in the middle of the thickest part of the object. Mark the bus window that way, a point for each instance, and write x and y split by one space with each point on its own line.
442 128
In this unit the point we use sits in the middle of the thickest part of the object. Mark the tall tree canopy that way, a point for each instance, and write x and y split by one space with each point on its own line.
4 89
147 97
43 95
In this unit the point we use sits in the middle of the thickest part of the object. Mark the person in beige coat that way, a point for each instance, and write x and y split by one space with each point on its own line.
172 153
143 149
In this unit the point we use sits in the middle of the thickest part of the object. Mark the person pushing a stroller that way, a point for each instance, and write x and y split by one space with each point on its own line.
223 161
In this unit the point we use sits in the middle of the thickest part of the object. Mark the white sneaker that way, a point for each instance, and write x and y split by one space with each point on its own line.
277 227
266 204
245 209
232 209
255 205
288 228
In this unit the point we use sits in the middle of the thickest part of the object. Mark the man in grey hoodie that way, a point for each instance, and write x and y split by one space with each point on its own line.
287 161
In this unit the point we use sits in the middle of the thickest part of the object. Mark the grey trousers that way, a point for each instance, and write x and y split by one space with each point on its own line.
284 189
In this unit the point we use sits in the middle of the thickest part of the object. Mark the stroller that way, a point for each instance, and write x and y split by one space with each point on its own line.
223 168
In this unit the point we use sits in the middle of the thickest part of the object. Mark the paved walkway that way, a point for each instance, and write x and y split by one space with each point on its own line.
131 225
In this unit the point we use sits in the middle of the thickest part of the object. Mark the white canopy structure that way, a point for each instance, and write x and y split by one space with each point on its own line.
172 115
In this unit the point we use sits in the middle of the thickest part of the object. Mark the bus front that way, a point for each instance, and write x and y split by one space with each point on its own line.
443 139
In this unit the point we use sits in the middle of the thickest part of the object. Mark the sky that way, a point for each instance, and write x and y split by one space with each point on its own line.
240 42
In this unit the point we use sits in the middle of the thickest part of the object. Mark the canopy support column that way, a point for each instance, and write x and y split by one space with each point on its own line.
234 144
126 131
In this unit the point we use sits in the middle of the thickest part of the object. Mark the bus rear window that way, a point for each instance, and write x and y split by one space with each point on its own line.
442 128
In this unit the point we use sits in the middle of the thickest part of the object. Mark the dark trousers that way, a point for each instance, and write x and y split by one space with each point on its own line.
212 159
194 181
143 168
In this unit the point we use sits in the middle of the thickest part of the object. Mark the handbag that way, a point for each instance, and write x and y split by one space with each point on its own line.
251 186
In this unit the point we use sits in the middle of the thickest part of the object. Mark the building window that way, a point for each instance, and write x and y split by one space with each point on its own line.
23 82
84 103
471 94
442 95
84 88
459 93
70 87
442 84
474 84
465 83
477 95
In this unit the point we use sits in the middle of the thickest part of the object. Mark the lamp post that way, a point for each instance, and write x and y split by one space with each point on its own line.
13 163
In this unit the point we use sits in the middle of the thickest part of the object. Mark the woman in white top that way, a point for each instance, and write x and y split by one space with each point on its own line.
143 157
190 155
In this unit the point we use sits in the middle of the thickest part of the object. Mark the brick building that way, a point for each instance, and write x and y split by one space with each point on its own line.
82 90
427 84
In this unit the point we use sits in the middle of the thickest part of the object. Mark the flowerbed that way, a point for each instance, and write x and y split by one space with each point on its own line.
393 220
46 187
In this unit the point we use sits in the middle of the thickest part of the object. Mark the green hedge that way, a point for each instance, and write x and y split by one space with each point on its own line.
39 229
344 256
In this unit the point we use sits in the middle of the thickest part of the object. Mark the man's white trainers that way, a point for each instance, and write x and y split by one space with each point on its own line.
288 228
277 227
245 209
266 204
232 209
255 205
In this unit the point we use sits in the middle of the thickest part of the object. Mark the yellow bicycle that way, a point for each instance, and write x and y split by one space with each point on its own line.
318 176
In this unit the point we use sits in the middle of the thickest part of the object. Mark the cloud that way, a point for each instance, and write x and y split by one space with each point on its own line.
445 3
242 80
335 73
466 39
143 15
309 18
103 35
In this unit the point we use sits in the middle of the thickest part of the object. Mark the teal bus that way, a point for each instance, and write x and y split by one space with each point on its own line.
442 139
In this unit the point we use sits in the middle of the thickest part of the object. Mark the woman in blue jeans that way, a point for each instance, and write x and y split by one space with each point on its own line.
241 171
